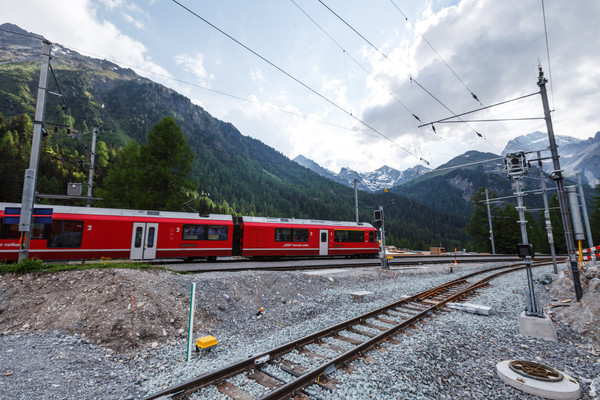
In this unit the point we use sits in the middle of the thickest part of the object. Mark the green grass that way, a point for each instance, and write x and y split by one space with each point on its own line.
35 265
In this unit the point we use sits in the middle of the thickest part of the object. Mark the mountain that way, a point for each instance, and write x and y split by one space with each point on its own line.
240 173
576 155
384 177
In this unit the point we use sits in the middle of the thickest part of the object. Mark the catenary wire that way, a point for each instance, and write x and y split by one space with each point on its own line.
369 73
548 53
299 82
137 67
473 95
355 31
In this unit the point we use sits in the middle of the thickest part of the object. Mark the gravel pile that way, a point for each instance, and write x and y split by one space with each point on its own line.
452 356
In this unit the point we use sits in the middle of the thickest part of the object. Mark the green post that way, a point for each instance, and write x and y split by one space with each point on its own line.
191 323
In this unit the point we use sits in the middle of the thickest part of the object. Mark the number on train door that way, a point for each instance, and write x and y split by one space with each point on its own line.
323 242
143 241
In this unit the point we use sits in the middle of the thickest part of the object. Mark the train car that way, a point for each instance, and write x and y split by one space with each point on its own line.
82 233
280 237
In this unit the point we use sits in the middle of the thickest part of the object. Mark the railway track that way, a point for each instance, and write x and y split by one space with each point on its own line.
303 263
299 369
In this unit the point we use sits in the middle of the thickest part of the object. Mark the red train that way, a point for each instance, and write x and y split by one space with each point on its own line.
82 233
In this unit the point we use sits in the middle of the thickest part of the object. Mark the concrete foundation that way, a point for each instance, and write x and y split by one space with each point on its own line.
567 389
541 328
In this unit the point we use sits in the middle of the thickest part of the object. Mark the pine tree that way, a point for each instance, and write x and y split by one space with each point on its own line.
478 227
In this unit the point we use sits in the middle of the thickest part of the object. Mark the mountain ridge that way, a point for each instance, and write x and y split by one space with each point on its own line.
575 155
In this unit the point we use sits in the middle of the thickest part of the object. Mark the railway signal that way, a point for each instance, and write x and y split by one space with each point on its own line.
515 165
379 224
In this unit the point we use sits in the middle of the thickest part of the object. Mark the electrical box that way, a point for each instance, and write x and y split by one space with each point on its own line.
74 189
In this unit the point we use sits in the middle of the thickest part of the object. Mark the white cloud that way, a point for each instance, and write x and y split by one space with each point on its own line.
194 64
256 75
138 24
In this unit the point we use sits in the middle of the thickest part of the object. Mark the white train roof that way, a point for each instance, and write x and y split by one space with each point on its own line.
306 222
123 212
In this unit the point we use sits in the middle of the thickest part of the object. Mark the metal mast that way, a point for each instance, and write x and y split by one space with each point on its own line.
557 176
30 180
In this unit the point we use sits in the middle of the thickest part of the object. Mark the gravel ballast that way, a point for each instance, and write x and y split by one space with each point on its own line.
450 356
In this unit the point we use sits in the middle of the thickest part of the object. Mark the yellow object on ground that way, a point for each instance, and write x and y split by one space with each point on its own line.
206 342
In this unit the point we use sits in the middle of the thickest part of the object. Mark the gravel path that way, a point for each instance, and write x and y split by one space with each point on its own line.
452 356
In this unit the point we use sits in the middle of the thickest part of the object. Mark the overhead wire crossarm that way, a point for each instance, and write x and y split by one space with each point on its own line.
479 109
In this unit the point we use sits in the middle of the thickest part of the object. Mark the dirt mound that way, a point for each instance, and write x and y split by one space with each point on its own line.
97 304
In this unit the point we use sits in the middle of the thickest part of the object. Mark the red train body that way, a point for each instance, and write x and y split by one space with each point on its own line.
81 233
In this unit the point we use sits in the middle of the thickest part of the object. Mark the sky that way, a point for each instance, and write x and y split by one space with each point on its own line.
341 81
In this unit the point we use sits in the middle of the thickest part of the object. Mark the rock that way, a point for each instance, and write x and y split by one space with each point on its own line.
591 273
594 285
545 279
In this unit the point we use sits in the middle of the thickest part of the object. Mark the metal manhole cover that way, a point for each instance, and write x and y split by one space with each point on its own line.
537 371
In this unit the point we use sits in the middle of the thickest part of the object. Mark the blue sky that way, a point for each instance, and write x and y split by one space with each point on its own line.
493 46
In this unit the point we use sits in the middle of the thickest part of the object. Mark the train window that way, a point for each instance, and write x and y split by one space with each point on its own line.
324 237
65 233
371 237
40 231
283 234
291 235
151 232
300 235
139 232
348 236
9 231
205 232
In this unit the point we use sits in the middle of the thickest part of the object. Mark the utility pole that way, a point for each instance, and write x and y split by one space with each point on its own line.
30 180
547 213
356 199
92 159
487 203
557 176
586 218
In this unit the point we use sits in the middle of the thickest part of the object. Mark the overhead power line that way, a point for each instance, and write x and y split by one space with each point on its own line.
355 31
298 80
473 95
438 54
179 80
548 52
453 113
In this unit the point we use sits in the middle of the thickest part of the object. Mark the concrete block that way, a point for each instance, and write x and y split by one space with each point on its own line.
471 308
537 327
358 295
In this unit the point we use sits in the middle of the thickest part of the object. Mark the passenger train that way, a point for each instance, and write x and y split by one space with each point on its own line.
86 233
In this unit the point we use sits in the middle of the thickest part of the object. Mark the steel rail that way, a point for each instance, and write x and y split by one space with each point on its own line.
309 378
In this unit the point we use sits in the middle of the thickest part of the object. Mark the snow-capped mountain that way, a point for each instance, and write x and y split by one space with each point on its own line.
381 178
576 155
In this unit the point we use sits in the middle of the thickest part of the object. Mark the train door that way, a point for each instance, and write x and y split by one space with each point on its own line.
260 238
143 241
323 242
